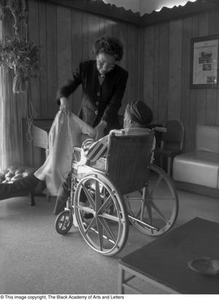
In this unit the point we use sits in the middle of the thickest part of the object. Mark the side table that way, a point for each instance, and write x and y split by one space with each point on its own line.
164 262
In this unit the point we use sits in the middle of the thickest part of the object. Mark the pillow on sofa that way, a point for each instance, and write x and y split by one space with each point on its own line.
15 172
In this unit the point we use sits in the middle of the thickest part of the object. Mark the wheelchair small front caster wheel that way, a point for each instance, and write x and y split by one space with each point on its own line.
64 222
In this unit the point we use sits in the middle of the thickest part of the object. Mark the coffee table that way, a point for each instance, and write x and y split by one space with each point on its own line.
164 262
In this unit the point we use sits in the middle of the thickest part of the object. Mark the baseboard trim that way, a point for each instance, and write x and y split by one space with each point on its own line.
197 189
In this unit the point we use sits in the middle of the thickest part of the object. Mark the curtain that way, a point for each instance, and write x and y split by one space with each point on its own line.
12 106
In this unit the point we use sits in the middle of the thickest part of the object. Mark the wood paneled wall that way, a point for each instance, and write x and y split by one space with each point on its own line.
158 59
65 37
166 58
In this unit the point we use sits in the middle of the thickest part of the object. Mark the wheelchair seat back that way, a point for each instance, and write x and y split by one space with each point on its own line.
128 159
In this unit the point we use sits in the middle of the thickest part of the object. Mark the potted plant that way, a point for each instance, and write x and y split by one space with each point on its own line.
21 56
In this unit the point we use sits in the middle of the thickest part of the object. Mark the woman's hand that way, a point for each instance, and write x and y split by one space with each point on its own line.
100 130
64 105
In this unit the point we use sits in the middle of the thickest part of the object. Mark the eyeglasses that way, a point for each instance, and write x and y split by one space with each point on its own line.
104 64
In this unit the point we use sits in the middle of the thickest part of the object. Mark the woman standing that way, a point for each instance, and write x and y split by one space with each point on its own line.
103 83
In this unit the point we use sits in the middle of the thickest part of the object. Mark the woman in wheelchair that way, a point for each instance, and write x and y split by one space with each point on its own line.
136 119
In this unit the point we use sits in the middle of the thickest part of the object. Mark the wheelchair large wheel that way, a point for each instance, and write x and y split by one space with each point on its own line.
101 214
64 222
154 209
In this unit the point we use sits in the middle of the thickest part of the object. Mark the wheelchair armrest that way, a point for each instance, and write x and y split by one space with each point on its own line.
160 129
77 149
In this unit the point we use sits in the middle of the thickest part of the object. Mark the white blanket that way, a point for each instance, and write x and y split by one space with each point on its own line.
67 131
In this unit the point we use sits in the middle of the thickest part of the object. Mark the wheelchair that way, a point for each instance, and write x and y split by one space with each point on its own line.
126 189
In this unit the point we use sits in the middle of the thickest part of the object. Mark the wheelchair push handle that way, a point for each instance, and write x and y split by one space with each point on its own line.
159 129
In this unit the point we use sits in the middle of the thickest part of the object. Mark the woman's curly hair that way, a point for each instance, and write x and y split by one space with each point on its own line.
109 45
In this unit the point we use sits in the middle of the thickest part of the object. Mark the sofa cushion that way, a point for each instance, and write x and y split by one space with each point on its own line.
12 182
207 138
197 167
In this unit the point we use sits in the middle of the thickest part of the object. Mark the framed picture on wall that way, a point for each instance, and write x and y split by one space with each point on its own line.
204 62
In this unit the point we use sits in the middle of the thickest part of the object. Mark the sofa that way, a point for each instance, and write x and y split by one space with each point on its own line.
12 174
198 170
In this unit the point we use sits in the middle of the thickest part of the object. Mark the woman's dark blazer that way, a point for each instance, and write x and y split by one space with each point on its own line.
100 101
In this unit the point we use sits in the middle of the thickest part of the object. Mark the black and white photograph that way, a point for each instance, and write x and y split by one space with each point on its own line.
109 149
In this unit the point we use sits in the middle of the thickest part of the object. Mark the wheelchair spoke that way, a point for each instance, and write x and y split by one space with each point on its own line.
86 209
88 195
94 229
105 230
106 203
156 206
110 217
155 187
100 233
108 230
97 196
89 226
149 211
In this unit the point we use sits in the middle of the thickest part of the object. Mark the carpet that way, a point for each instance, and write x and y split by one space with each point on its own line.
35 259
